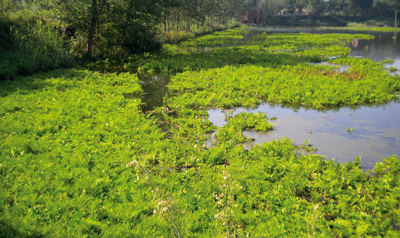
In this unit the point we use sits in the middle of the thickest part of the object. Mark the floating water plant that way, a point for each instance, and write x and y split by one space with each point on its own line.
307 147
388 61
232 131
243 46
316 86
78 156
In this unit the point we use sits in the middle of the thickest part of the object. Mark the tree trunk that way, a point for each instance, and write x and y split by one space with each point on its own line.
92 29
177 23
165 20
187 24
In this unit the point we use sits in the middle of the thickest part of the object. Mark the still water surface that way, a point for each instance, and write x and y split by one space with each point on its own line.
376 132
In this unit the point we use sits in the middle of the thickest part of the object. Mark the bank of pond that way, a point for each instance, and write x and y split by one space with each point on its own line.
80 158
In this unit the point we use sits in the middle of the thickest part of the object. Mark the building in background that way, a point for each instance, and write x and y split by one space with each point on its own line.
254 15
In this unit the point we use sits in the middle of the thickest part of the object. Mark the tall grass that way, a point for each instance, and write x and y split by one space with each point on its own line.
34 47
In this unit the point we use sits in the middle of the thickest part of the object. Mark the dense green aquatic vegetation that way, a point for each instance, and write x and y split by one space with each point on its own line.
315 86
79 158
232 131
243 47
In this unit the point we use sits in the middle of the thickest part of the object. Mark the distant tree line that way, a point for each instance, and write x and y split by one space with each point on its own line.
354 8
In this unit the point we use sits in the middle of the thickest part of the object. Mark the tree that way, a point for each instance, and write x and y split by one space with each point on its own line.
395 4
108 25
315 7
272 7
300 5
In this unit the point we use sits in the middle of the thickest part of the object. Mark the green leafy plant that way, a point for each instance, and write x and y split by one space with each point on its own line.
79 157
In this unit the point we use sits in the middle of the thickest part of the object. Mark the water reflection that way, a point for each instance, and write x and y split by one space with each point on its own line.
155 88
376 132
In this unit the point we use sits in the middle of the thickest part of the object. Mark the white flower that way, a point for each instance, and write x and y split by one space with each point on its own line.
130 164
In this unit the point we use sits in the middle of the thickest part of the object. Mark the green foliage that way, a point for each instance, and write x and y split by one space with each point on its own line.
316 86
34 47
232 131
244 47
79 158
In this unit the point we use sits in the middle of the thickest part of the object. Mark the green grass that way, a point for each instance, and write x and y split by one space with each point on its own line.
33 48
78 157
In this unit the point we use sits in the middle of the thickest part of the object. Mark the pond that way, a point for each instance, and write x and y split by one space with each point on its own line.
371 132
376 128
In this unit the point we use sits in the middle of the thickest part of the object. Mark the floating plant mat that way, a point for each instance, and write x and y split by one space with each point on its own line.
249 47
78 157
384 45
315 86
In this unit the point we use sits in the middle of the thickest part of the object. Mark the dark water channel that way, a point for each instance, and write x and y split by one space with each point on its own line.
376 128
155 88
